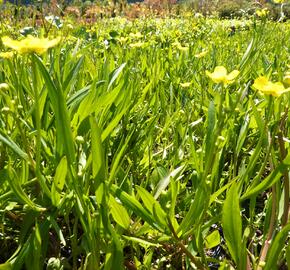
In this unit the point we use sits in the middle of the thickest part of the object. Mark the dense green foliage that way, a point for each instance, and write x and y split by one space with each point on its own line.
117 150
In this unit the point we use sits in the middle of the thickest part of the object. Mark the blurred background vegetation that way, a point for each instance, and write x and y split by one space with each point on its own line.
137 8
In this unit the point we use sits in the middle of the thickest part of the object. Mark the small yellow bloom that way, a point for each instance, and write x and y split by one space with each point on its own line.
70 26
30 44
279 1
6 55
269 88
177 45
122 39
201 54
220 75
185 84
262 12
182 48
137 45
136 35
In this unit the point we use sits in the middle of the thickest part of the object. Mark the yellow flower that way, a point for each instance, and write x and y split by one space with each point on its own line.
278 1
185 84
182 48
269 88
220 75
177 45
6 55
137 45
30 44
122 39
262 12
201 54
136 35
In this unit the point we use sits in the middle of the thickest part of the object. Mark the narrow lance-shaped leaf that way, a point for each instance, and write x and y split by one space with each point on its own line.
269 180
195 212
64 135
60 174
98 160
14 147
132 204
116 74
163 183
232 222
276 247
19 192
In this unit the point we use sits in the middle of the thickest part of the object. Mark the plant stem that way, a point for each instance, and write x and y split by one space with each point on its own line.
194 260
267 243
286 174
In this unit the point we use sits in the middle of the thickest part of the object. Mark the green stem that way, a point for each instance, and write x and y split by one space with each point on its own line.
183 248
273 218
286 173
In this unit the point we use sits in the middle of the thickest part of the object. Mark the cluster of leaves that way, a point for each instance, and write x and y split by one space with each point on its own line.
117 150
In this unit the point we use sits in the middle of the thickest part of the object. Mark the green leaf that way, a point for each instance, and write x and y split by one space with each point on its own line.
18 190
152 205
141 242
119 213
269 180
92 103
6 266
288 256
146 197
232 222
116 163
278 244
64 134
60 174
247 54
213 239
98 160
114 123
163 183
195 212
116 75
211 119
159 214
72 76
36 258
14 147
219 192
58 230
242 135
132 204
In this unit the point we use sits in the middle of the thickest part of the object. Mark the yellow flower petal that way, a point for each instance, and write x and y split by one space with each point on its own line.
219 74
233 75
30 44
185 85
269 88
137 45
201 54
260 83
